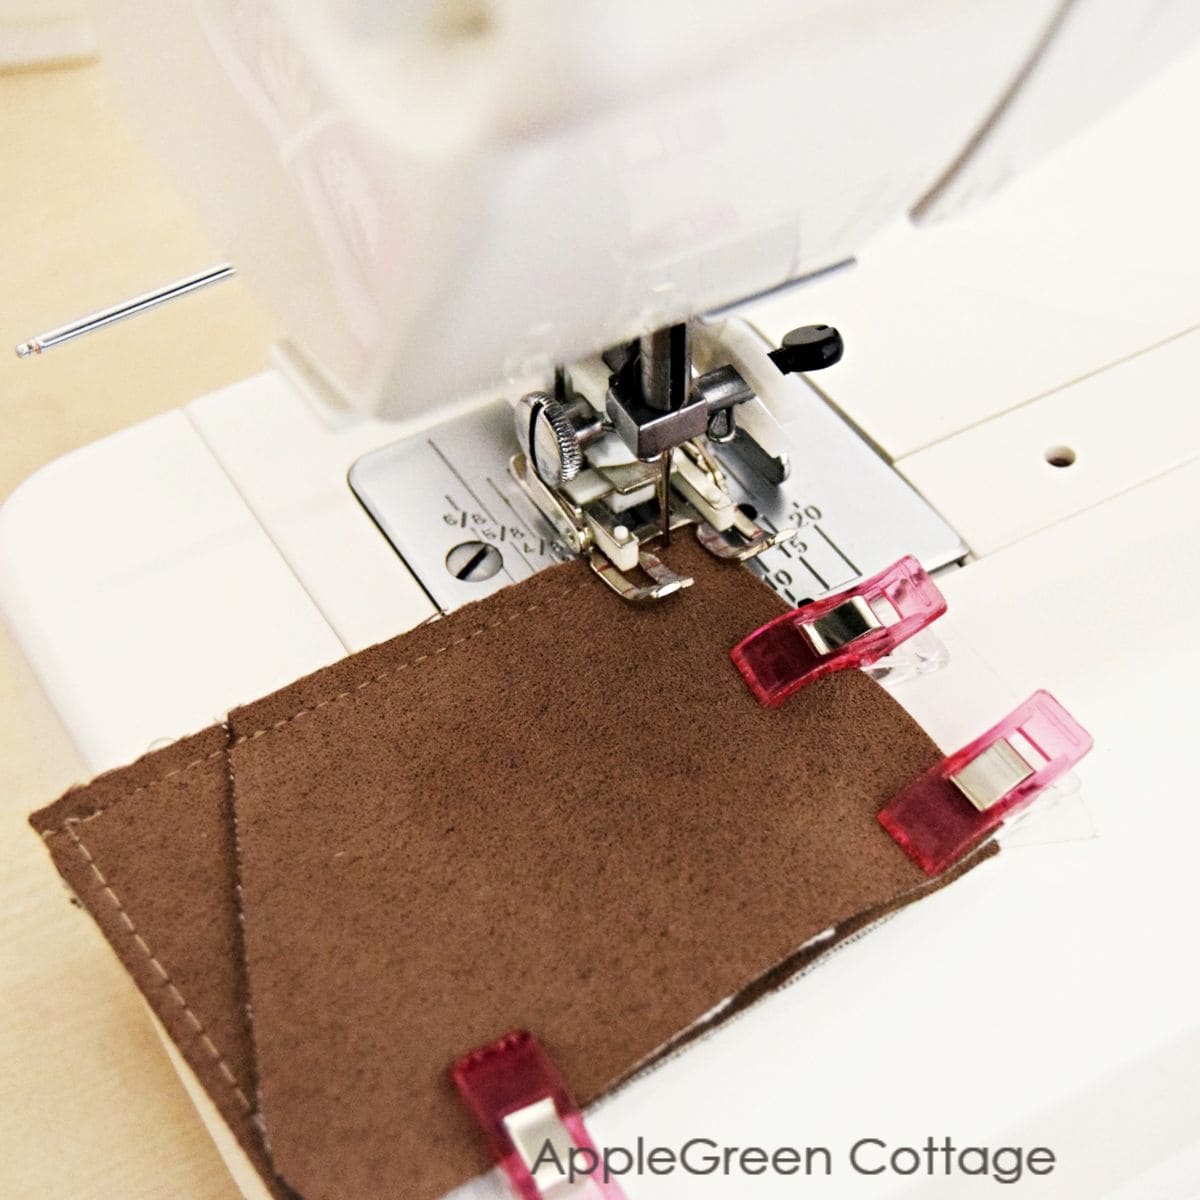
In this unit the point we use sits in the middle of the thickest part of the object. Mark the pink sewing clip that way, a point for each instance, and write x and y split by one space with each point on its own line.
854 628
952 806
533 1128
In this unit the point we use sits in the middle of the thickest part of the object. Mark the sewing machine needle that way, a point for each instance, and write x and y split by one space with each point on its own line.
119 312
664 496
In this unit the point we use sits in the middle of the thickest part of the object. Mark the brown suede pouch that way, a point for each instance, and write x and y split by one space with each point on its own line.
551 810
149 850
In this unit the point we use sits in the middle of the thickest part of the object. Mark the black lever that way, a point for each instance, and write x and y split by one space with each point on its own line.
808 348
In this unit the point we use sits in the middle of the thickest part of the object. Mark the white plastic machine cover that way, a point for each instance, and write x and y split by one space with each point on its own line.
437 195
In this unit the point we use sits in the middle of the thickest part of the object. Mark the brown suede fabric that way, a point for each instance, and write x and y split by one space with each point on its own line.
554 811
149 850
550 810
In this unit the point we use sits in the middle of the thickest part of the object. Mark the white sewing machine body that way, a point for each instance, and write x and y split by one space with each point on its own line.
211 555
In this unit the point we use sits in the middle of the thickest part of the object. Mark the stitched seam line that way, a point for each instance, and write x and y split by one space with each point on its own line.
137 791
336 699
390 671
164 977
70 825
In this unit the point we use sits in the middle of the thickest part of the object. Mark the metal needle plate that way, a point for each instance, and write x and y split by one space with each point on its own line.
435 491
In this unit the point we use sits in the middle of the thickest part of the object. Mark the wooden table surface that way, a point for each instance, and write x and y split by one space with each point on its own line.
90 1108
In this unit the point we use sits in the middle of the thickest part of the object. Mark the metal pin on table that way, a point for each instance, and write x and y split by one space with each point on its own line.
119 312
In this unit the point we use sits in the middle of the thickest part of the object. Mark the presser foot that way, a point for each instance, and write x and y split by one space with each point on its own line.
613 514
663 581
742 540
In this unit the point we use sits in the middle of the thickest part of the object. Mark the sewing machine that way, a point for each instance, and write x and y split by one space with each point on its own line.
575 267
